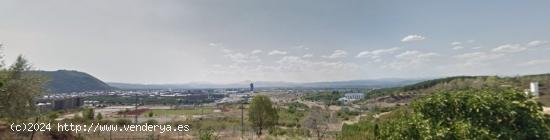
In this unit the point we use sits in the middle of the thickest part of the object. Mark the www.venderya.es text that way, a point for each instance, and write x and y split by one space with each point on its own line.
94 127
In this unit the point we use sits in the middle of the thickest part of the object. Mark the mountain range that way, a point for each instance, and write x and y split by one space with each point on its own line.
379 83
64 81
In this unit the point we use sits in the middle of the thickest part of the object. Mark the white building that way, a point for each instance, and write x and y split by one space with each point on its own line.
352 97
534 88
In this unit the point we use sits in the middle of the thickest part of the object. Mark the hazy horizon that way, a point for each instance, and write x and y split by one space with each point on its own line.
176 42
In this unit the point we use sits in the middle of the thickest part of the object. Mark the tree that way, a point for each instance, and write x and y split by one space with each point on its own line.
207 134
317 122
151 114
99 116
262 114
18 89
88 113
470 114
291 108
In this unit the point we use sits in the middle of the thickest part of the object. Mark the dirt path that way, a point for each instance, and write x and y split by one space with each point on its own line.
310 104
355 119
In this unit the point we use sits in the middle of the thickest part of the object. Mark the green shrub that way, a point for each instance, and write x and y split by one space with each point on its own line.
105 122
99 116
123 122
470 114
151 122
88 114
460 114
207 134
151 114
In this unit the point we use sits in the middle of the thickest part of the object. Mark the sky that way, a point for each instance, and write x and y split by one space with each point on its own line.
225 41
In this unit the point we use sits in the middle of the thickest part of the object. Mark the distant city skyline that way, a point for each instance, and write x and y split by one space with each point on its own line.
173 41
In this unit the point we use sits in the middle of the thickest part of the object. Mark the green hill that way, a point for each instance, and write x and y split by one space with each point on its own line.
464 82
64 81
456 108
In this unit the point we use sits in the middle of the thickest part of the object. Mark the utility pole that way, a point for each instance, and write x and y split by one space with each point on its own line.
202 110
35 121
242 118
136 116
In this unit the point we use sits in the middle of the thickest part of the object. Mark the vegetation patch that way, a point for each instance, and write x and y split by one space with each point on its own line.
464 114
165 112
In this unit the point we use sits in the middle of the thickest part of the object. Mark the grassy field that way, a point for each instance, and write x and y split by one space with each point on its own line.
290 119
166 112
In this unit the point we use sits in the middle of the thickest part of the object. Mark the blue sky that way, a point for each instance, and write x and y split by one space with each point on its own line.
219 41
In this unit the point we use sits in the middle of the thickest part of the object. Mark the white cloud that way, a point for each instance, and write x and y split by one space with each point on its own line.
509 48
514 48
214 44
242 58
536 62
415 54
410 59
302 47
456 43
458 47
307 55
277 52
536 43
224 50
291 59
290 68
481 62
239 57
476 55
376 54
295 64
362 54
411 38
256 51
337 54
406 54
475 58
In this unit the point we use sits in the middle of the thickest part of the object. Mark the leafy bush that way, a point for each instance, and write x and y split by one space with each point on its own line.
150 114
88 114
99 116
105 122
78 119
460 114
470 114
361 130
292 132
207 134
52 115
329 98
123 122
151 122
